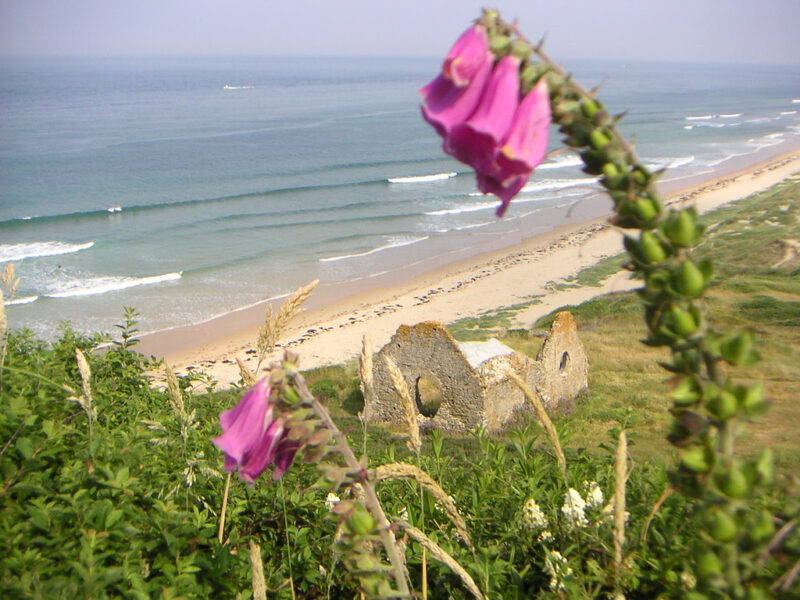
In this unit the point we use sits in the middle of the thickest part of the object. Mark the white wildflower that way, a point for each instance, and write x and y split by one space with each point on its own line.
322 570
688 581
332 500
574 508
594 495
532 515
555 565
608 512
545 536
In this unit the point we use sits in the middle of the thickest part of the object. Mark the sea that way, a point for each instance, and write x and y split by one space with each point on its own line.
188 188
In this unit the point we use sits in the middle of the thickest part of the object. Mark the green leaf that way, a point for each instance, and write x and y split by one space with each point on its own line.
39 518
25 447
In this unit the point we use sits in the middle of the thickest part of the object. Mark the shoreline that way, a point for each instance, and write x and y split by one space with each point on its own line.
331 330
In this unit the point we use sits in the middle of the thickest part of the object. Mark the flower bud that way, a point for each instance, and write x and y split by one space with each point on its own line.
722 405
589 107
688 280
683 322
762 529
360 521
682 228
708 564
521 49
687 392
646 209
499 44
698 459
599 139
722 527
652 250
734 484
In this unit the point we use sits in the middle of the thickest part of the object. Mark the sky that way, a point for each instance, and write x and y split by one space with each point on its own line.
738 31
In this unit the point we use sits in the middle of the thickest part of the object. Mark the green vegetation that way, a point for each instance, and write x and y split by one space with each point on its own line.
119 494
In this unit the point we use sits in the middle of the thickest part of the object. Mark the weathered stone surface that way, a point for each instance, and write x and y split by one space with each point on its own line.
564 367
470 380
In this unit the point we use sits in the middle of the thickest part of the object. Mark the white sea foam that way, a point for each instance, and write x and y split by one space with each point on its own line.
422 178
102 285
699 118
237 87
23 300
114 209
785 113
558 184
688 126
796 101
560 161
467 208
671 162
730 116
397 243
15 252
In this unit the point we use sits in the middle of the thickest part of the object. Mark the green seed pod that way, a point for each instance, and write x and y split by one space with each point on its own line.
499 44
762 529
683 321
652 250
698 459
689 280
610 170
722 526
599 139
639 177
520 49
722 405
681 228
646 209
734 483
360 521
708 564
589 107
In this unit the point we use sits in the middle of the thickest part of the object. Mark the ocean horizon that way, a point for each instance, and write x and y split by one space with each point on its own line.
191 187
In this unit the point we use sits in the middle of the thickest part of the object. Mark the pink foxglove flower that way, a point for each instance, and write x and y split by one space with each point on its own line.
446 104
477 140
525 145
252 438
523 149
466 56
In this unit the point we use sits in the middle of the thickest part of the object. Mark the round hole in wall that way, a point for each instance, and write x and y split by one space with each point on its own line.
564 364
428 395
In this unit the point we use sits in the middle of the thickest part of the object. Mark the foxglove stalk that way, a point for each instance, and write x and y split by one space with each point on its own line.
477 140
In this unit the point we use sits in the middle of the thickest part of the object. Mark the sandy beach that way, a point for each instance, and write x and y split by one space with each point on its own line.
332 334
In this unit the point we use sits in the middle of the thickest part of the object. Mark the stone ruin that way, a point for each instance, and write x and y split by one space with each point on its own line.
459 386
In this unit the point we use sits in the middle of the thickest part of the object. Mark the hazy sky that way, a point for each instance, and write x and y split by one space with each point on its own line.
761 31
